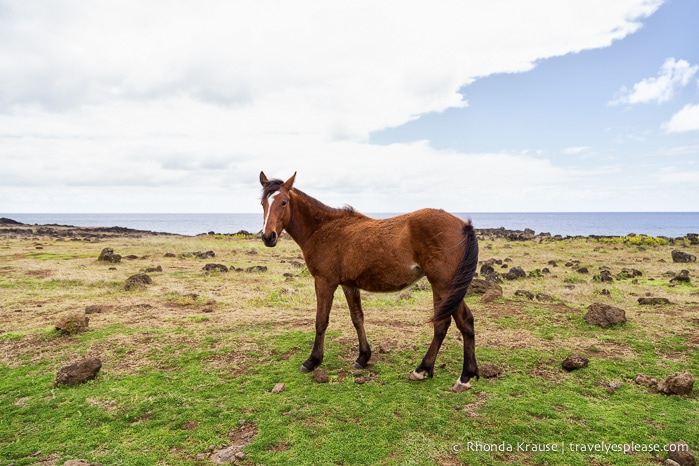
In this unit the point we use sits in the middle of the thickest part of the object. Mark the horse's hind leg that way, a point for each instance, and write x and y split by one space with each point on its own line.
426 367
354 301
464 321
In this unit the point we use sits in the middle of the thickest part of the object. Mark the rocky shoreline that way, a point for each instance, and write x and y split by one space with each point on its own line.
13 229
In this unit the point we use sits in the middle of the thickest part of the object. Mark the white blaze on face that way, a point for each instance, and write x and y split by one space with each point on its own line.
270 200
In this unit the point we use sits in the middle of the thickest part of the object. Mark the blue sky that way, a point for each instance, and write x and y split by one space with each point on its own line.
516 106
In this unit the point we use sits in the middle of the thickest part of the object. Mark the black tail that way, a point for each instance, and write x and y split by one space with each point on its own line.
462 278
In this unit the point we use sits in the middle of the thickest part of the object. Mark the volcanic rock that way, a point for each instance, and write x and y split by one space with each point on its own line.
679 383
524 294
683 277
320 376
73 324
653 301
140 280
681 454
79 372
491 295
680 256
574 361
604 315
107 255
208 268
489 371
515 273
480 286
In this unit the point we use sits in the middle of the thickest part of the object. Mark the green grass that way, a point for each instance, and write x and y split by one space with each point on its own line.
179 381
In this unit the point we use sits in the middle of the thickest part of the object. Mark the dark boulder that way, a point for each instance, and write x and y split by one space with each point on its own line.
481 286
524 294
107 255
574 361
604 315
515 273
604 276
208 268
79 372
489 371
653 301
679 256
138 281
256 268
683 277
73 324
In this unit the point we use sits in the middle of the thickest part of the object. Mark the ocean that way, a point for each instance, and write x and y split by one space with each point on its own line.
670 224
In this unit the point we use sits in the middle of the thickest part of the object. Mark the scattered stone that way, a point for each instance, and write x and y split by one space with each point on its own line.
491 295
583 270
384 348
204 255
80 463
679 383
170 254
365 378
628 273
320 376
680 256
653 301
107 255
154 269
73 324
97 309
552 263
524 294
574 361
278 388
138 281
681 454
683 277
489 371
487 269
256 268
515 273
604 276
612 386
79 372
545 298
481 286
604 315
208 268
642 379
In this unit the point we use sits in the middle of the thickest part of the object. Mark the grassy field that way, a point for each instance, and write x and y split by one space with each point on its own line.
189 362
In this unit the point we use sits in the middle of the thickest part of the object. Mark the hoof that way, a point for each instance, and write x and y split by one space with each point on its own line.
460 387
356 365
305 369
417 375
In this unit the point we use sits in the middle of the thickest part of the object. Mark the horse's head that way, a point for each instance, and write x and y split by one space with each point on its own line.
275 207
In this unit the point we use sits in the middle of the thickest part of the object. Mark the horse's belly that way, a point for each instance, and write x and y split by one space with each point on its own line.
380 278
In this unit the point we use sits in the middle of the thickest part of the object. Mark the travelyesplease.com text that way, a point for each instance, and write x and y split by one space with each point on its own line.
563 447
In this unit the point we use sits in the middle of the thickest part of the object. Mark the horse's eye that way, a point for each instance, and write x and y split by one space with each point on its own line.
283 203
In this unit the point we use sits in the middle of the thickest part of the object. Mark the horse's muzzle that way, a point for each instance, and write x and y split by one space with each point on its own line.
271 240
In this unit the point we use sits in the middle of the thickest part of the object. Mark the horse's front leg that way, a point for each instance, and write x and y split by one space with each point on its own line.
324 301
354 301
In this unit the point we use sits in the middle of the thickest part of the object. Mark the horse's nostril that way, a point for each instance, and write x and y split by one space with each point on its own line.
270 240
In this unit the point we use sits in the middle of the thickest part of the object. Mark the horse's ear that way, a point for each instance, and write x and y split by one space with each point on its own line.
288 184
263 178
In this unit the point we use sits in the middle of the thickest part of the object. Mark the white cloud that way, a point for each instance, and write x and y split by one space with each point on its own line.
98 98
576 150
673 74
687 119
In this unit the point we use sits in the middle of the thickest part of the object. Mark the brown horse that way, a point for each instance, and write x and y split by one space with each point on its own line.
345 248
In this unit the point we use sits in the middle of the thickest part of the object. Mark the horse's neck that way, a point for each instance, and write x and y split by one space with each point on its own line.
307 217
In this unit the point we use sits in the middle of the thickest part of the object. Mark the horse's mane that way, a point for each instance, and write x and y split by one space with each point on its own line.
272 186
